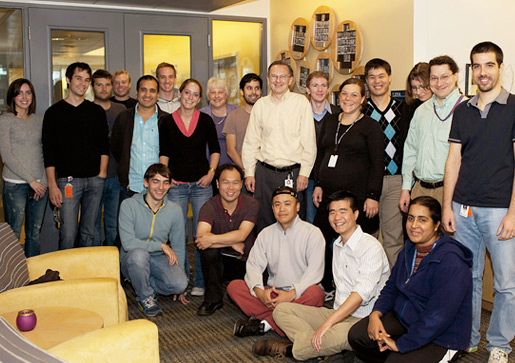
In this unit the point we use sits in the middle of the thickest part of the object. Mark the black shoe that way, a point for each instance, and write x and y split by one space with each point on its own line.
248 327
209 308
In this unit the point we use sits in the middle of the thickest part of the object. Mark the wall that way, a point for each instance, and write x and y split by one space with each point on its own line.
387 29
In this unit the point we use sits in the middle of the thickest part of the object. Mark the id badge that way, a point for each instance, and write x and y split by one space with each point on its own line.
332 161
465 211
288 182
68 191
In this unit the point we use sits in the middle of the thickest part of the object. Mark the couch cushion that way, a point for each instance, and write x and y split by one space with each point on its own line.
13 265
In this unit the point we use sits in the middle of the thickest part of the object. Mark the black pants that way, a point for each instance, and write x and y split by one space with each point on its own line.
367 349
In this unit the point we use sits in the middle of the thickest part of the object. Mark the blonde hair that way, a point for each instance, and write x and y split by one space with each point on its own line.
215 82
120 72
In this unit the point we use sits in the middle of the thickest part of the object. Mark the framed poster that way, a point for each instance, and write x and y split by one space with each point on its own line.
470 87
347 47
334 96
303 71
322 27
324 63
299 38
285 56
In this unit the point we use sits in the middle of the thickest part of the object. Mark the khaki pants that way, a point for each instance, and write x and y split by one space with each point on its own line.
418 191
390 217
299 322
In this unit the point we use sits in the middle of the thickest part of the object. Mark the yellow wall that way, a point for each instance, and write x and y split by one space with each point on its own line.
387 29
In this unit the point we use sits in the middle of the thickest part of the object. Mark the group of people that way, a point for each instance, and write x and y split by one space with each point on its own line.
303 189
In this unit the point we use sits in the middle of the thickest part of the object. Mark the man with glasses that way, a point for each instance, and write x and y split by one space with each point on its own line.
279 146
426 147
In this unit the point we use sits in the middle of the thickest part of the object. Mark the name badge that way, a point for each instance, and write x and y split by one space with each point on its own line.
332 161
288 182
465 211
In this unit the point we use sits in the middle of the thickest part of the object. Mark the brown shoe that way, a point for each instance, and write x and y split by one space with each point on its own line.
274 347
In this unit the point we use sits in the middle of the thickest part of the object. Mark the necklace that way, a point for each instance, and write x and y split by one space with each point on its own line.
450 113
338 140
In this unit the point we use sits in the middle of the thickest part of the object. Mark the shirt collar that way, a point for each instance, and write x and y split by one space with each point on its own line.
502 98
292 225
137 106
284 98
449 100
353 240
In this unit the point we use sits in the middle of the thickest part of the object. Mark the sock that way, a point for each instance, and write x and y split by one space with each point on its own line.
289 351
267 325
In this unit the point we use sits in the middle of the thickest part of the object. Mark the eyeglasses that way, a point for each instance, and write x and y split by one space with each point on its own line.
443 78
282 77
419 88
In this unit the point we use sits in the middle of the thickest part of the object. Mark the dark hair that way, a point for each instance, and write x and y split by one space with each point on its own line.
147 77
280 63
317 74
285 190
249 77
486 47
227 166
360 84
344 195
378 63
165 65
419 72
444 59
14 90
188 81
435 209
160 169
81 66
101 73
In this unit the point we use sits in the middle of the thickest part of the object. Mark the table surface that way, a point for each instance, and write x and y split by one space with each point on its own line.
58 324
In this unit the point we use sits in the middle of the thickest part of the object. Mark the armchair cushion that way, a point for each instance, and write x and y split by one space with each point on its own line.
13 264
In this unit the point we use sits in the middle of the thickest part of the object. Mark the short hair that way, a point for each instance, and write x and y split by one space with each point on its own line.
378 63
77 65
419 72
444 59
360 84
435 209
285 190
188 81
344 195
486 47
147 77
101 73
120 72
317 74
249 77
280 63
14 90
227 166
165 65
215 82
160 169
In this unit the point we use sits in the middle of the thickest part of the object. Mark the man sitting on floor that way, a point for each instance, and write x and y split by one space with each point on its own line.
225 235
292 252
147 222
360 270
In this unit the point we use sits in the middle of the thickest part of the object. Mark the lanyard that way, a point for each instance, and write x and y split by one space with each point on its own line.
336 140
450 113
415 258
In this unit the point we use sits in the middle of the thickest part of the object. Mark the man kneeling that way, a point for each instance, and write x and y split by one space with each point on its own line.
292 252
360 270
147 222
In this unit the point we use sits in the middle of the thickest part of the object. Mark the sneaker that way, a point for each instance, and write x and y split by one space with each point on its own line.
198 291
329 295
497 355
471 349
273 347
150 307
248 327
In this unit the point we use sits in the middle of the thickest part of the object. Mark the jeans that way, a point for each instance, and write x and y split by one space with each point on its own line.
311 210
18 205
197 196
110 203
477 232
124 194
150 273
86 193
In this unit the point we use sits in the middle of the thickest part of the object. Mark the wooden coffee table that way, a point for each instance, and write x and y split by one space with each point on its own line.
56 325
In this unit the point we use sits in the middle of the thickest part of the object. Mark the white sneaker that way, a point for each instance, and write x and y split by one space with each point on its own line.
197 291
497 355
329 295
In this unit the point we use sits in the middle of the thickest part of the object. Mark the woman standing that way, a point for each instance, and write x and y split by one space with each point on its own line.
183 137
349 157
417 85
24 191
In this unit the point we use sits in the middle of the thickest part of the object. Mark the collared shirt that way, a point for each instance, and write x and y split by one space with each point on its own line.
293 258
426 147
502 99
169 106
320 116
144 149
280 134
360 265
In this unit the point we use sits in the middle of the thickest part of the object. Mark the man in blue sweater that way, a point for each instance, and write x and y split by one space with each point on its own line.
153 251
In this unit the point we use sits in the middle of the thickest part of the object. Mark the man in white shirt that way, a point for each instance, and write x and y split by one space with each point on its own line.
166 75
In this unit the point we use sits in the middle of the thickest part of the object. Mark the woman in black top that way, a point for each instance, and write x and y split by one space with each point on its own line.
350 157
183 137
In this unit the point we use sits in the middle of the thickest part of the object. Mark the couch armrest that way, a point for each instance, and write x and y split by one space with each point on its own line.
132 341
98 295
77 263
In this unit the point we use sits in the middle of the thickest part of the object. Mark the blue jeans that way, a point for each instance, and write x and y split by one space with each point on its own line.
477 232
197 196
311 210
150 273
18 205
110 203
87 193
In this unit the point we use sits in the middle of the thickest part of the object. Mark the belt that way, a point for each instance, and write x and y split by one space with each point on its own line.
431 185
279 170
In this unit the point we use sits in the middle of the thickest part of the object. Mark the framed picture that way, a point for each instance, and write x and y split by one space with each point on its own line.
322 27
286 57
299 38
303 72
470 88
347 47
324 63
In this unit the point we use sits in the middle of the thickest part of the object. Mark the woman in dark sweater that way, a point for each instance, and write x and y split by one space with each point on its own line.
183 137
350 157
